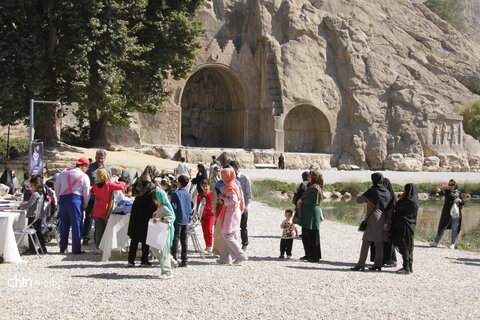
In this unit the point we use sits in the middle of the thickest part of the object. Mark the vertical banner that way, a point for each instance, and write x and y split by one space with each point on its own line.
36 162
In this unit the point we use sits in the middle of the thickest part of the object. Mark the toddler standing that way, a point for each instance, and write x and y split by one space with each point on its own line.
289 232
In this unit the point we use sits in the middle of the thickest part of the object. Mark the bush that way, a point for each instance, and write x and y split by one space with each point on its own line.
471 119
449 10
21 144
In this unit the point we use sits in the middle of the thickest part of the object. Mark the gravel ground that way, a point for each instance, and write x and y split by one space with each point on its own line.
444 285
332 176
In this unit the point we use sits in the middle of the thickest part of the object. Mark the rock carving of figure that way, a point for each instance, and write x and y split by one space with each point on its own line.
436 136
454 135
446 134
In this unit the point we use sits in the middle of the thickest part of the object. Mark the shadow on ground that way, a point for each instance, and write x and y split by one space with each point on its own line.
116 276
466 261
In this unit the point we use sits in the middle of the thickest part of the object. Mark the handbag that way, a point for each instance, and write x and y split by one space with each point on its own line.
362 226
297 218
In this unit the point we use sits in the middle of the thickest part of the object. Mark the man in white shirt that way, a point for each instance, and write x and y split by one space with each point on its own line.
183 169
247 197
73 189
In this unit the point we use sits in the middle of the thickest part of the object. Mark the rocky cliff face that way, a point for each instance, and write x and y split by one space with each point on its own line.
390 70
375 80
472 17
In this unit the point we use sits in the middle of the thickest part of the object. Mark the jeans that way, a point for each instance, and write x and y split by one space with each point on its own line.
455 223
100 225
243 229
182 237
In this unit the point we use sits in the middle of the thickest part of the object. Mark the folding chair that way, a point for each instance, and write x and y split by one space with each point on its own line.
32 234
194 222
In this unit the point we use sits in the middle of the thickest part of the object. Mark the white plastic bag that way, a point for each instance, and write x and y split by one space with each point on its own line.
455 211
157 234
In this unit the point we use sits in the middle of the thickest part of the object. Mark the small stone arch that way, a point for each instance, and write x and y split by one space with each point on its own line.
213 111
307 129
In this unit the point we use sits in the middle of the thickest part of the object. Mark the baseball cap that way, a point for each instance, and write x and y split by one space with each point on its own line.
83 161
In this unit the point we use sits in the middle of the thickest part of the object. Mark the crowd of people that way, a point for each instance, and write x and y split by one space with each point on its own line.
219 196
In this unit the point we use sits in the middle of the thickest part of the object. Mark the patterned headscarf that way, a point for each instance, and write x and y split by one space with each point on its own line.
145 184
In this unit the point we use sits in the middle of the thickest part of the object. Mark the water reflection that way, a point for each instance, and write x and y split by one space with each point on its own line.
427 220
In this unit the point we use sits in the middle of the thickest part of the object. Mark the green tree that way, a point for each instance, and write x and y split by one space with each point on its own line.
449 10
471 119
109 56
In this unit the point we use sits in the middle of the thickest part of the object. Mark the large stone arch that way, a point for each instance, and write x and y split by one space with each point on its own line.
307 129
213 111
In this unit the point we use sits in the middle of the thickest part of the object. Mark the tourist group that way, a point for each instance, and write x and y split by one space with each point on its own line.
81 199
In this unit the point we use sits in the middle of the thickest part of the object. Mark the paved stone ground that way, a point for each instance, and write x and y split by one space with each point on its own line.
445 284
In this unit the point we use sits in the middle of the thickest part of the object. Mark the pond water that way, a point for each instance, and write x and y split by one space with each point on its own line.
427 219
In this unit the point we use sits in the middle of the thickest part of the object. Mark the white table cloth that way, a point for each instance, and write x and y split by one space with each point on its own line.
115 235
8 244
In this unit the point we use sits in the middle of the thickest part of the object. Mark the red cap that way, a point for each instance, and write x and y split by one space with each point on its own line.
83 161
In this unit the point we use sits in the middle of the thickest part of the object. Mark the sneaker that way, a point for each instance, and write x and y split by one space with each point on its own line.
402 271
130 265
166 276
452 246
281 257
240 259
244 248
174 263
146 264
183 264
433 244
220 261
390 265
289 257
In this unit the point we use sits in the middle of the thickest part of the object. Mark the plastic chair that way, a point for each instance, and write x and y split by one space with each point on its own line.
30 232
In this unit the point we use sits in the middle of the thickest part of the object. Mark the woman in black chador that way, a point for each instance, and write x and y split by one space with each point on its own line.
449 219
142 210
404 221
377 199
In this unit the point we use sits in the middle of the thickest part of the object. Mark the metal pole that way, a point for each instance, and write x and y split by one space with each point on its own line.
8 143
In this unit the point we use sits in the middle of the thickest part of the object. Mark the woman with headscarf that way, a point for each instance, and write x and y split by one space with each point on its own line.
404 221
7 179
229 217
164 214
311 216
103 190
142 210
201 174
377 199
389 256
447 220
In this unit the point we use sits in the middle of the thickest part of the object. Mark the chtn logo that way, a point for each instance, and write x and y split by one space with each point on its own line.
17 282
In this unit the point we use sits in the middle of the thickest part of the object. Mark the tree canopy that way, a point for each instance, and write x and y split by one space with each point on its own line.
109 56
449 10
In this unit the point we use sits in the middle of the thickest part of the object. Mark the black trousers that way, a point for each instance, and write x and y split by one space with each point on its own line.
180 236
286 246
406 250
243 229
311 244
38 227
87 222
133 251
